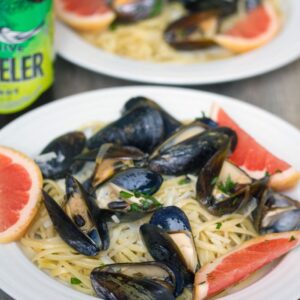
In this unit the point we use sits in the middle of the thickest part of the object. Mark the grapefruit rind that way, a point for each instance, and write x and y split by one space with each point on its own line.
241 45
84 23
284 180
203 285
17 230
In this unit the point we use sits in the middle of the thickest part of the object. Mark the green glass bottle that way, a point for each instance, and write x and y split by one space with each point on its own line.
26 52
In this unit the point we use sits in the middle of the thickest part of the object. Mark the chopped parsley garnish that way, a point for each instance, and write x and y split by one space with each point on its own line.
267 174
75 280
228 186
218 225
125 195
157 8
292 238
185 180
113 26
214 180
135 207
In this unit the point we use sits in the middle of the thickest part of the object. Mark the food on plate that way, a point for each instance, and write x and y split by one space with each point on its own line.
20 193
254 159
180 31
148 206
88 15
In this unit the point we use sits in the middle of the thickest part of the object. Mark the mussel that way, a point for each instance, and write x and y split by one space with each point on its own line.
135 10
148 270
80 225
127 196
116 286
163 249
57 158
170 123
223 188
174 221
276 213
190 155
142 127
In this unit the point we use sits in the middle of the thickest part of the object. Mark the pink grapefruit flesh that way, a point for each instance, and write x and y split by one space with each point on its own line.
255 30
20 193
254 158
242 262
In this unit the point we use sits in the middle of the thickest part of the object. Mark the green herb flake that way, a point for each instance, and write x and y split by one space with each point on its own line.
214 180
157 8
134 207
218 225
267 174
184 180
113 26
228 186
75 280
125 195
292 238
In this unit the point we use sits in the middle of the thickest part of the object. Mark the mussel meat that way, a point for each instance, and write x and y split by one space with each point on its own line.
57 158
135 10
142 127
190 155
170 123
276 213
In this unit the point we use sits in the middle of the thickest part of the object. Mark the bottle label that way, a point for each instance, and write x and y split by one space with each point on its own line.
26 52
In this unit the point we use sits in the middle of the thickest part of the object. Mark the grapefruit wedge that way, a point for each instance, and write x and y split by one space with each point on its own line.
258 28
85 15
242 262
254 158
20 193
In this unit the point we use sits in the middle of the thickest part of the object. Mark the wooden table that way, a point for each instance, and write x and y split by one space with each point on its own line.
278 92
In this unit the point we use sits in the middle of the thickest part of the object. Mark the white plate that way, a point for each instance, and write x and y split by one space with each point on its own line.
31 132
284 49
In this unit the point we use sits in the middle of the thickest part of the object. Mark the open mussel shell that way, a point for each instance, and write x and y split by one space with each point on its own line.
82 209
57 158
68 231
276 213
174 221
148 270
112 159
142 127
127 195
163 249
190 155
135 10
193 32
223 188
116 286
170 123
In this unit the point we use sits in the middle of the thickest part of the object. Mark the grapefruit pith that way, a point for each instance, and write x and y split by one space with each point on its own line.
20 193
254 158
87 15
258 28
242 262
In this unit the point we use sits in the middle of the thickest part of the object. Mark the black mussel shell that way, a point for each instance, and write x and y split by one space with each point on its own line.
135 10
170 218
64 149
85 212
226 7
193 32
192 154
67 230
116 286
138 179
142 127
163 249
276 213
148 270
170 123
